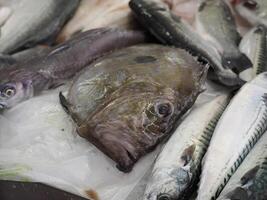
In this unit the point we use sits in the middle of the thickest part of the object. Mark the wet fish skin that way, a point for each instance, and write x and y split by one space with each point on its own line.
177 168
217 25
253 11
37 21
254 45
250 180
128 101
24 80
170 29
234 137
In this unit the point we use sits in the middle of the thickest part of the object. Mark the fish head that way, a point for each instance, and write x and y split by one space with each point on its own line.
168 183
12 93
255 7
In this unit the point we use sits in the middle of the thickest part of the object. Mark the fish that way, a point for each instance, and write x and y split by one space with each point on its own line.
128 101
216 24
33 22
22 81
254 11
177 168
172 30
250 180
240 127
254 45
97 14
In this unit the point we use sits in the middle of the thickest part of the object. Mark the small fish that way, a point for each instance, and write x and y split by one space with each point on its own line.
177 167
34 21
20 82
170 29
254 45
254 11
96 14
250 180
217 25
130 100
238 130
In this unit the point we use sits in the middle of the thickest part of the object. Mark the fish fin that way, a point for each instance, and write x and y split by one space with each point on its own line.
59 49
64 103
237 62
55 85
188 154
249 175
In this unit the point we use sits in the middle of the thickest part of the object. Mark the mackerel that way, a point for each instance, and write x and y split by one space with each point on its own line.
240 127
250 180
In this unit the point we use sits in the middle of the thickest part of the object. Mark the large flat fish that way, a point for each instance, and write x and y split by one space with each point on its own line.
238 130
170 29
34 21
216 24
128 101
21 81
250 180
177 168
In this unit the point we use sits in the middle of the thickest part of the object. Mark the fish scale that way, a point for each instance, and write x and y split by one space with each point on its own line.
234 137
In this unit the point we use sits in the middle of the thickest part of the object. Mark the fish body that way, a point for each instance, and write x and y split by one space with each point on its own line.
250 180
172 30
177 168
128 101
254 45
255 11
22 81
217 25
240 127
34 21
96 14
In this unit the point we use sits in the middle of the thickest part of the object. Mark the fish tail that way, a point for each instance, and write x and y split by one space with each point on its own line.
236 61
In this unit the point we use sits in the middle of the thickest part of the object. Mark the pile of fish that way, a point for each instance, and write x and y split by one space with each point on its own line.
132 72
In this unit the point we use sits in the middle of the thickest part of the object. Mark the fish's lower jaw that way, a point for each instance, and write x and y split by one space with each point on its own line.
237 62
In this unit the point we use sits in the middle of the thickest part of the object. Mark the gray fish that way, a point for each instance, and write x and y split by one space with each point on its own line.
22 81
254 45
177 168
130 100
240 127
170 29
254 11
34 21
216 24
250 180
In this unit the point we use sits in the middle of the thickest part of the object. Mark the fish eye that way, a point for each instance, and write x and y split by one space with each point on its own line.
250 4
164 109
163 197
9 92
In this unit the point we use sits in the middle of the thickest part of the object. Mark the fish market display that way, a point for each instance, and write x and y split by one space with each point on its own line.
98 13
128 101
216 24
21 82
254 45
177 168
250 180
34 21
254 11
238 130
170 29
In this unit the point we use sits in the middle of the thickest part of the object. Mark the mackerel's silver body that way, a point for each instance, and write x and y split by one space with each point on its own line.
178 165
254 45
250 180
240 127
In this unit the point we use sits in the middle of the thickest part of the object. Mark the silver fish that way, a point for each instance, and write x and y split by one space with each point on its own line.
240 127
254 11
21 81
250 180
34 21
172 30
177 167
216 24
128 101
254 45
